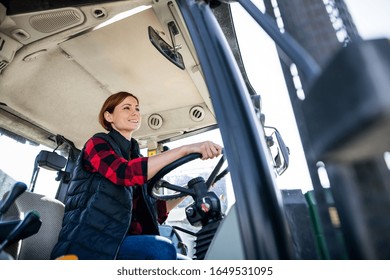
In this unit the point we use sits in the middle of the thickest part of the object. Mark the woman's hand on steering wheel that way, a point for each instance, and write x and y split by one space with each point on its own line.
210 151
207 149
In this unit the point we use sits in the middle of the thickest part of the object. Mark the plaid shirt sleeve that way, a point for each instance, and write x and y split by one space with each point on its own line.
100 157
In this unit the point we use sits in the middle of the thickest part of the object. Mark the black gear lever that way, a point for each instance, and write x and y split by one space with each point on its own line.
31 220
16 191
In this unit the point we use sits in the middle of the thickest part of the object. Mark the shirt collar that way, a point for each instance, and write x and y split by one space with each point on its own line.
124 144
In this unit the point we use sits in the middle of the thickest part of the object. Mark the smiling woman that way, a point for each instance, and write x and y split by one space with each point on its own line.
121 113
111 168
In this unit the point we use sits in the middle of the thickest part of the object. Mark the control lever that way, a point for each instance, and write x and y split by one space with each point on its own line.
31 220
16 191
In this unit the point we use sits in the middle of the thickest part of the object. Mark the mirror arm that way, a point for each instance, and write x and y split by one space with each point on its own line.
169 52
173 31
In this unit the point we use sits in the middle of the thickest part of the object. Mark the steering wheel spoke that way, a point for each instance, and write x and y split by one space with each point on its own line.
214 174
178 190
156 185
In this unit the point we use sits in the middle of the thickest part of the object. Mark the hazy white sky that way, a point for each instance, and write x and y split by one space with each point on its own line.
372 18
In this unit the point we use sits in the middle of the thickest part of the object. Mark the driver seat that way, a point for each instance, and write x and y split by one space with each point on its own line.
39 245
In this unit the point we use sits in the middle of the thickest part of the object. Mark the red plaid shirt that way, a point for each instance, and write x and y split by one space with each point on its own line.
100 157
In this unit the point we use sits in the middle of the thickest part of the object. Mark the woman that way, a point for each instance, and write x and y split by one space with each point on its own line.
108 213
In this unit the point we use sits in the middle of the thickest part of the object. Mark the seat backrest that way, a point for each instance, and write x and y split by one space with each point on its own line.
39 245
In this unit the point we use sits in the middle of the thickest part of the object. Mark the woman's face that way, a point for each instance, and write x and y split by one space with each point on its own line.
126 117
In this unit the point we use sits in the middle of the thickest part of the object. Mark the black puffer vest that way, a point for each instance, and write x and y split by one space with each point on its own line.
97 213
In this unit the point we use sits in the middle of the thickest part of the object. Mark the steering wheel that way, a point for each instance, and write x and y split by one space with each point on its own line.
155 184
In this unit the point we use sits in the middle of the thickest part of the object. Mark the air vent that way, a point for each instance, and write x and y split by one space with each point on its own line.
197 113
155 121
56 21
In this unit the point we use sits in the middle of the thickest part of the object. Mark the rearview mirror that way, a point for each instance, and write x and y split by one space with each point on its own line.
165 49
50 160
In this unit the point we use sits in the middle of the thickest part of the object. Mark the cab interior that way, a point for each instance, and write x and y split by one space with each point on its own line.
59 61
74 57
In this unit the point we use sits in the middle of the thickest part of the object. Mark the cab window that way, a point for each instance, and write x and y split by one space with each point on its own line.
17 162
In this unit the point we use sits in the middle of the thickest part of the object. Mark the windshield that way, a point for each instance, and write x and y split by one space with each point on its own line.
199 168
17 164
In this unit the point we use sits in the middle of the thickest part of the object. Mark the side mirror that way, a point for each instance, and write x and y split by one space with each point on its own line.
170 52
279 151
256 101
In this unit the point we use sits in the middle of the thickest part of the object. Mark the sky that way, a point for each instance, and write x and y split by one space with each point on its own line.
372 20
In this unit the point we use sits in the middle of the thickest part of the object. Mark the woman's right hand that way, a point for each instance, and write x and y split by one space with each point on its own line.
208 149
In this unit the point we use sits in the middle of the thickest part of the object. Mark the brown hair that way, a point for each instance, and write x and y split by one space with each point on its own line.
109 105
